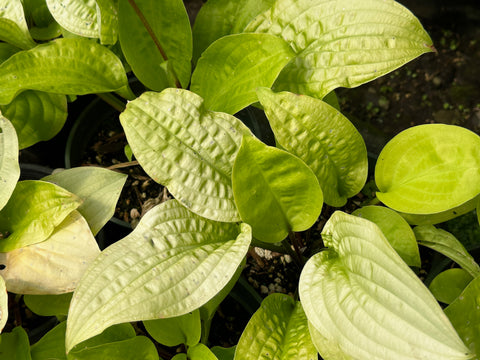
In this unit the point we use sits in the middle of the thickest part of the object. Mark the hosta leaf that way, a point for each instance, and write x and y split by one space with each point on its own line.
42 25
342 43
200 352
447 244
231 69
3 304
277 331
66 66
15 345
224 353
187 148
98 188
397 231
48 305
111 334
429 169
172 263
218 18
275 192
13 26
323 138
7 50
53 266
51 345
107 21
77 16
449 284
361 296
36 116
169 32
32 213
9 168
464 313
184 329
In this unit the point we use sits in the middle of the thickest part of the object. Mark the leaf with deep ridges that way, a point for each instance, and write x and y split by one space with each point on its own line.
9 167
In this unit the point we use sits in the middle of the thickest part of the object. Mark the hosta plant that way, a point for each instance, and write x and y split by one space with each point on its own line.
358 296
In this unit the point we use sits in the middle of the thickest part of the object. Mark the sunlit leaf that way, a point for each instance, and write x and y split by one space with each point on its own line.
362 297
218 18
64 66
36 116
169 31
231 69
13 26
449 284
397 231
429 169
9 168
48 305
171 264
15 345
464 313
275 192
343 43
184 329
200 352
107 18
186 148
448 245
98 188
323 138
3 304
53 266
32 213
42 25
278 330
77 16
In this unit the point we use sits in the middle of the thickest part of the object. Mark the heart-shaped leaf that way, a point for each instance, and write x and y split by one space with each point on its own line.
361 296
449 284
9 168
464 313
218 18
278 330
448 245
15 345
185 329
36 116
32 213
187 148
63 66
323 138
98 188
341 43
53 266
13 26
397 231
168 37
429 169
3 304
231 69
172 263
275 192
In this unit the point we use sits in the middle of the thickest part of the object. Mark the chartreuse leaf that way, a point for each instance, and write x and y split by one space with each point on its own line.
184 329
429 169
187 148
107 21
3 304
200 352
397 231
464 313
65 66
181 356
278 330
363 299
448 245
98 188
53 266
48 305
36 116
9 168
51 345
42 24
231 69
327 349
13 26
7 50
224 353
32 213
449 284
343 43
77 16
323 138
15 345
275 192
169 32
171 264
218 18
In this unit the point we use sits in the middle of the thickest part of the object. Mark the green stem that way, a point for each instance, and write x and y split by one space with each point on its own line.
113 101
153 36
